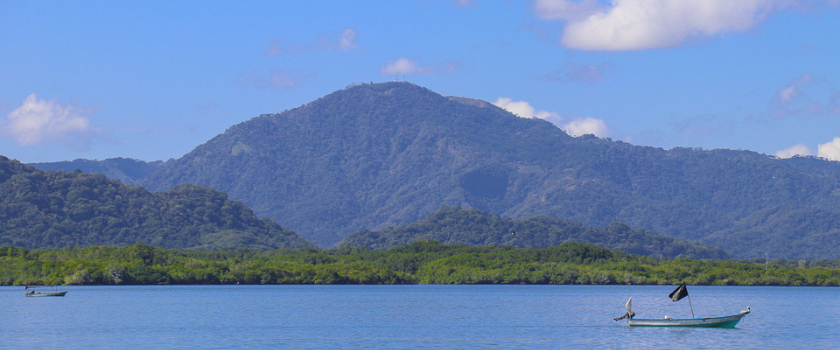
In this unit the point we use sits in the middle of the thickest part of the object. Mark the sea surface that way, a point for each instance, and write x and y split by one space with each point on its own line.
412 317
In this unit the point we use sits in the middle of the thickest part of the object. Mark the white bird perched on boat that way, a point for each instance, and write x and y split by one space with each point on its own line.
746 311
629 313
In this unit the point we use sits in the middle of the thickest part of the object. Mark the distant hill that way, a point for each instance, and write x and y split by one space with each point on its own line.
453 225
127 170
59 209
377 155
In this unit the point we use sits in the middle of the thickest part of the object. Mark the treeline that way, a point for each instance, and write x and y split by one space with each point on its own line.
419 262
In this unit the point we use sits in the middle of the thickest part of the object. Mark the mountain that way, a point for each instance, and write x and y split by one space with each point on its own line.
127 170
368 156
376 155
59 209
452 225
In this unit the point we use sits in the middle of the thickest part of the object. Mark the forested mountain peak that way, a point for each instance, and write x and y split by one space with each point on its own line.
357 157
56 209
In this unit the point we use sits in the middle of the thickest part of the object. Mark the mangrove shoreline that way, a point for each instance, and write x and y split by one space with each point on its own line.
424 262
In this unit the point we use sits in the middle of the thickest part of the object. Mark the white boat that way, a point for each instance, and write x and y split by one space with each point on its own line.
51 294
676 295
720 322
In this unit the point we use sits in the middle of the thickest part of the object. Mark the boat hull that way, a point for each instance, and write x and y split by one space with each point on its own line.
54 294
719 322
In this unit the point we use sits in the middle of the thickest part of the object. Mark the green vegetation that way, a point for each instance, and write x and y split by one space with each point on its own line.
453 225
57 209
419 262
377 155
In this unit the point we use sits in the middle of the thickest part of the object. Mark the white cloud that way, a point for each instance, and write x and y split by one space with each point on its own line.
795 150
334 41
404 65
583 126
575 127
523 109
648 24
37 120
830 150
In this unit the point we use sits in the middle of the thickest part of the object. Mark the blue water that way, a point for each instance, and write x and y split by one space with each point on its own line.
411 317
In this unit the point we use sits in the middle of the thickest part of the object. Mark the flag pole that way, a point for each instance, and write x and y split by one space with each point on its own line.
689 305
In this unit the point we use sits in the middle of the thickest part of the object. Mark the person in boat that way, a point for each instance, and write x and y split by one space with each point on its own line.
629 314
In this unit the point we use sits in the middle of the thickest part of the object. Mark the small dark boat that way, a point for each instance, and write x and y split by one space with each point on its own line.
52 294
33 293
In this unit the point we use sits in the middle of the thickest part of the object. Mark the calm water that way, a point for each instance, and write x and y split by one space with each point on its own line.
411 317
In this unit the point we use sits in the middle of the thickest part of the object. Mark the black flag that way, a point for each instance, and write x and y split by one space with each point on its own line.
679 293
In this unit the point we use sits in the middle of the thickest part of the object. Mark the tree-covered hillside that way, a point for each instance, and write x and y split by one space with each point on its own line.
377 155
453 225
59 209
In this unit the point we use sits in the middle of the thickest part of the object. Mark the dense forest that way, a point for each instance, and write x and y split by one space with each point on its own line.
419 262
57 209
452 225
372 156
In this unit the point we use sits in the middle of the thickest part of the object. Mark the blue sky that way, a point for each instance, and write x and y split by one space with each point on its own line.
152 80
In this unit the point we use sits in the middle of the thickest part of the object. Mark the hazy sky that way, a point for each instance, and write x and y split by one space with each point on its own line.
152 80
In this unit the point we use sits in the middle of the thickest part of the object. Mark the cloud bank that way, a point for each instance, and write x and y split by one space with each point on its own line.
36 121
621 25
574 127
409 66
